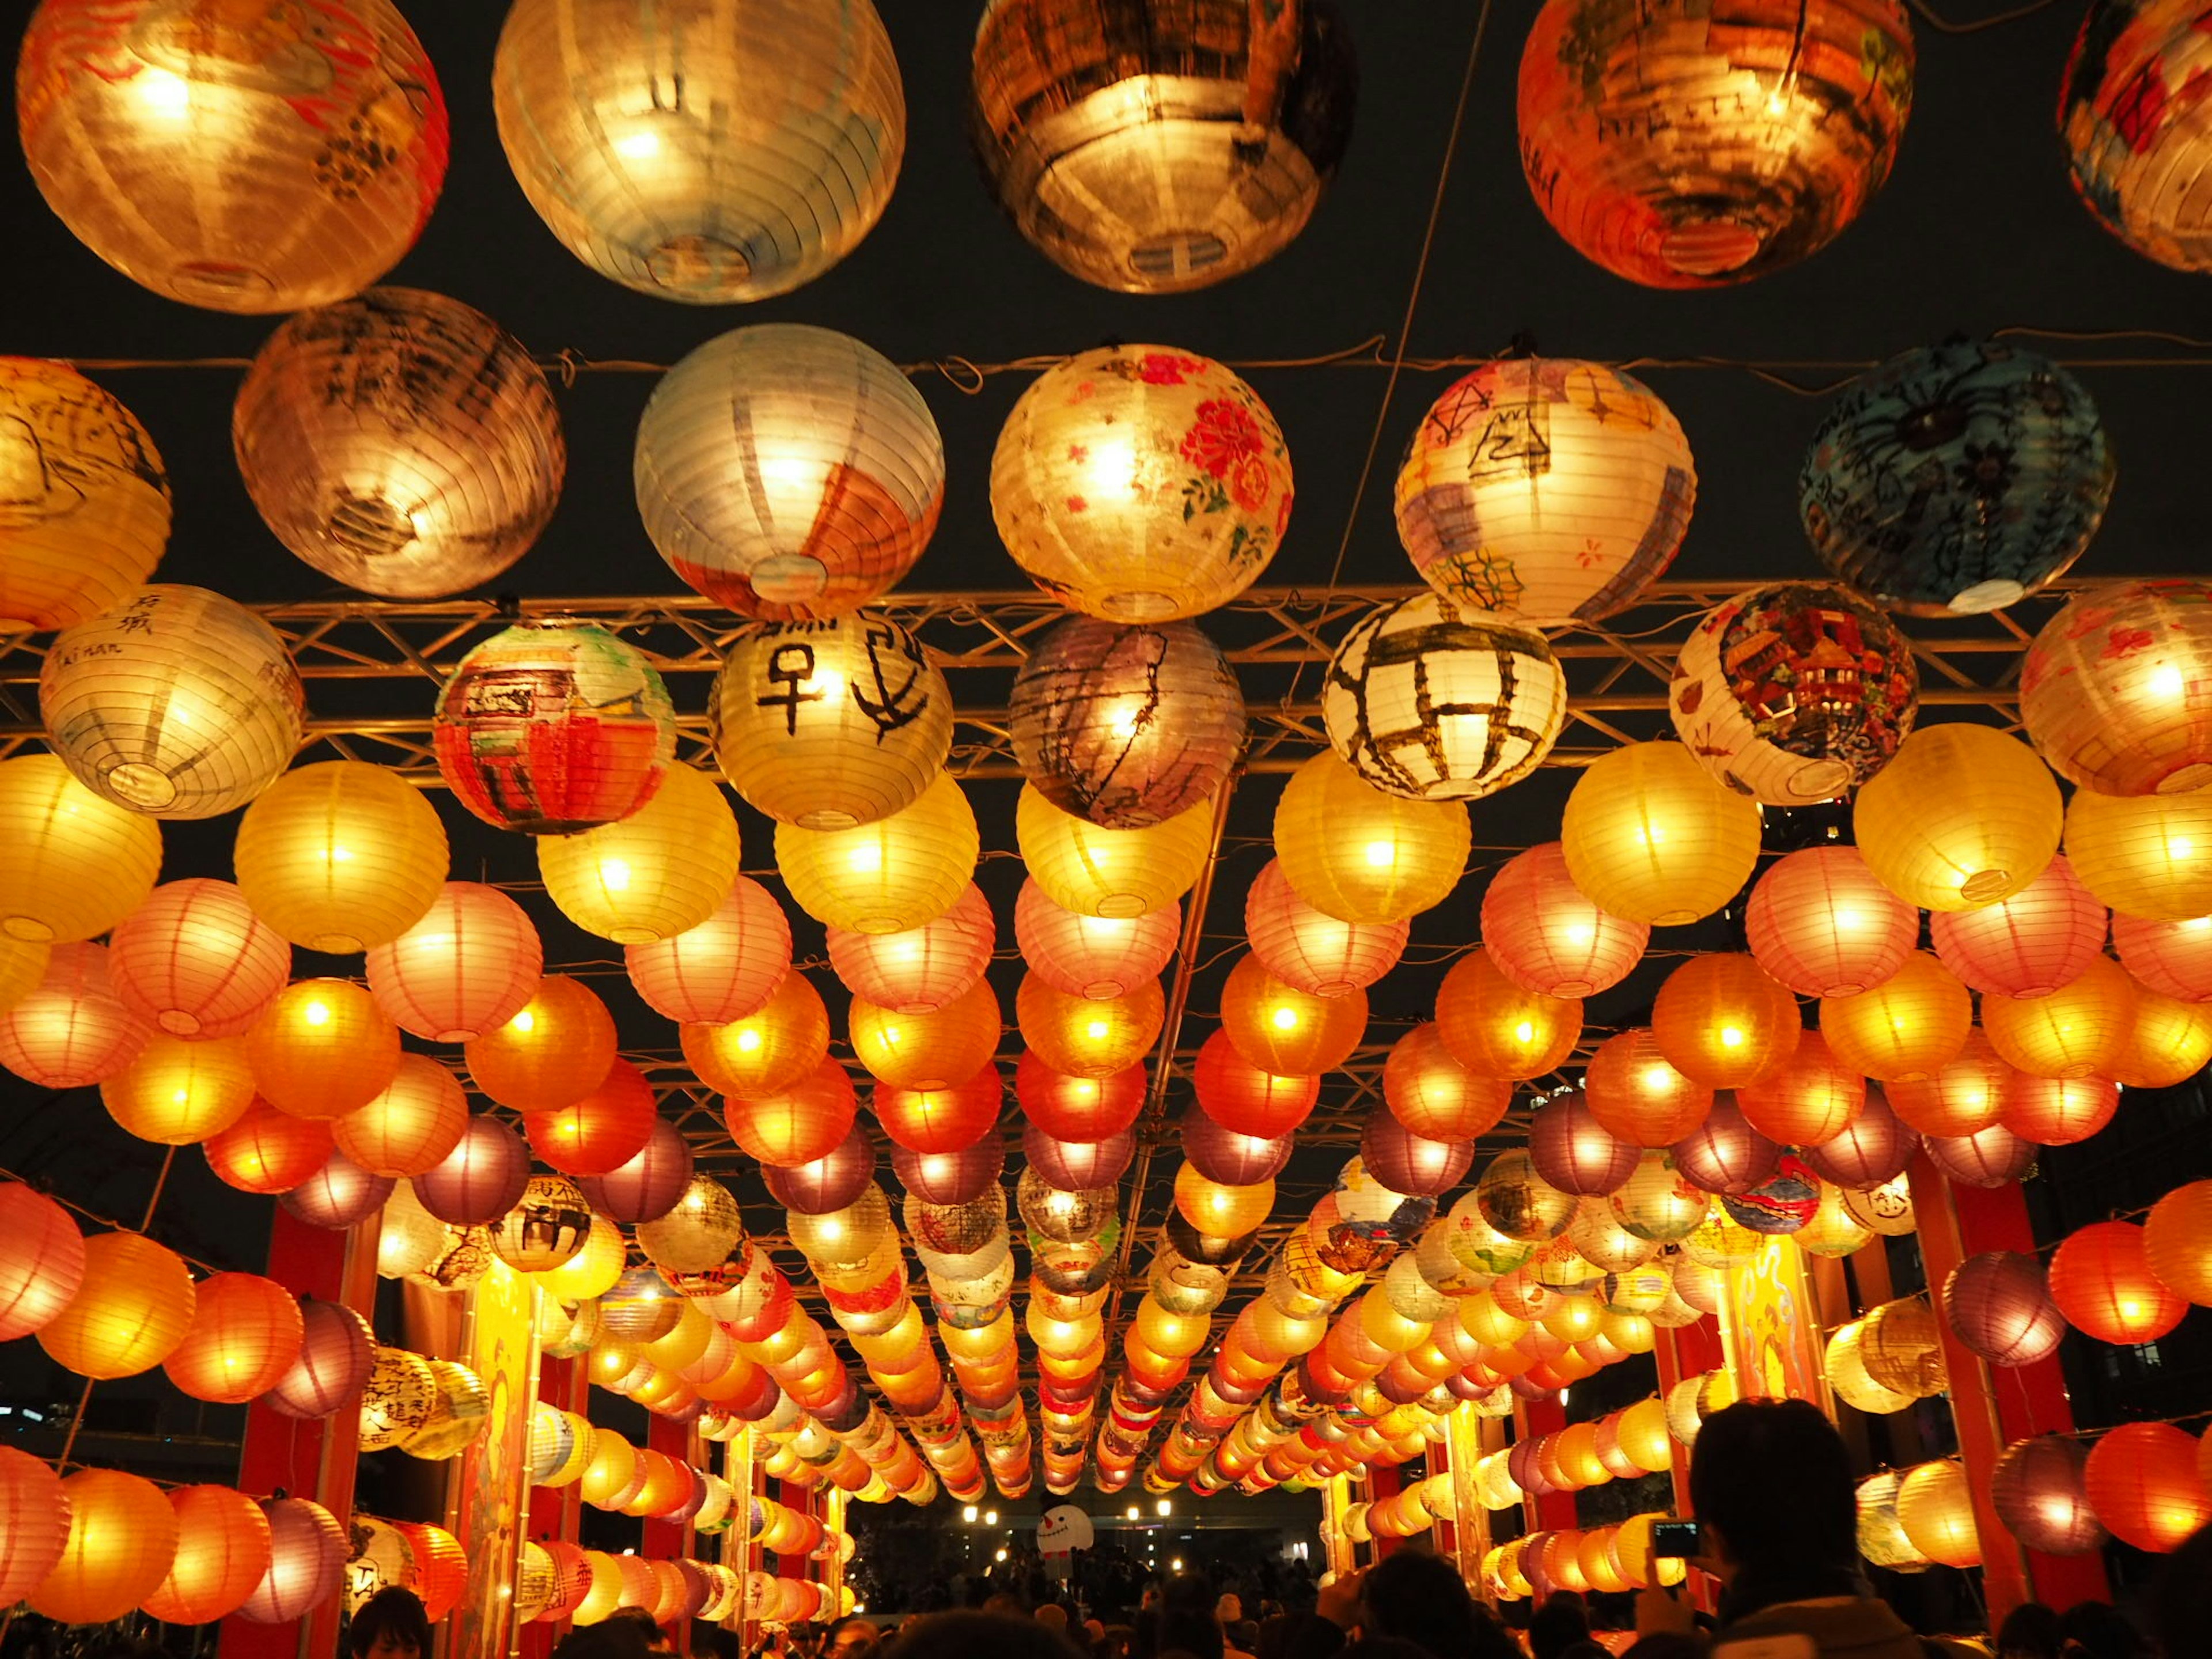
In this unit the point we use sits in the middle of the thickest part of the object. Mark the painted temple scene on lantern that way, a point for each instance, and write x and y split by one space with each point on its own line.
1075 913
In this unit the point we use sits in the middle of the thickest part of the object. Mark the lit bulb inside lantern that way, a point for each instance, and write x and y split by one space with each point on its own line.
868 858
316 1013
1731 1037
525 1022
2165 681
1381 853
1285 1019
640 146
165 93
614 874
748 1042
1525 1032
1112 470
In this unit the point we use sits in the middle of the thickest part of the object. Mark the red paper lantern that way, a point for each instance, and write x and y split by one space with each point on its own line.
1226 1156
244 1336
1872 1152
2100 1277
725 968
412 1127
1725 1153
441 1567
1965 1095
955 1177
1811 1099
1999 1306
1095 957
1237 1095
42 1263
553 1051
73 1029
481 1179
2043 937
1573 1151
1821 924
798 1125
1722 1021
603 1131
34 1522
2173 958
222 1551
196 961
2141 1480
307 1561
1311 950
1079 1108
946 1120
1407 1162
923 968
1545 937
2057 1111
1433 1095
648 1185
1638 1096
335 1355
2039 1492
337 1194
1990 1158
470 965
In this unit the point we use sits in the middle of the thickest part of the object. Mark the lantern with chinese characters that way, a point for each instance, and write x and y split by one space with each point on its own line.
547 1227
1793 693
1638 1095
776 161
1125 725
1156 152
552 727
1114 873
1354 852
88 498
2142 1483
466 966
2177 1240
2145 855
1543 935
2039 1493
2133 123
1141 484
480 1180
322 1049
42 1261
1549 488
178 1093
1821 923
307 1550
2112 690
122 1542
1998 1305
179 703
131 1310
1649 836
340 856
1097 956
553 1050
400 442
722 969
245 1335
1909 1027
2101 1278
222 1551
196 960
889 876
840 480
1955 478
658 872
180 148
335 1356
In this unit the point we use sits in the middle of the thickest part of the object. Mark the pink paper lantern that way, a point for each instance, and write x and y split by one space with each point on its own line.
1999 1306
73 1031
1725 1153
337 1352
1572 1150
196 960
466 967
1071 1166
1990 1158
338 1194
1871 1153
1821 923
1093 956
1543 935
2042 937
648 1187
481 1178
954 1177
830 1182
723 970
307 1551
2173 958
2040 1491
41 1262
924 969
1312 951
1410 1163
1231 1159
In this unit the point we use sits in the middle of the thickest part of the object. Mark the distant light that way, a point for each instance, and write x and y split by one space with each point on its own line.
1164 1507
968 1514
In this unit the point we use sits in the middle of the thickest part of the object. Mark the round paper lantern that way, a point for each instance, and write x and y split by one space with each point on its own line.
2101 1278
1819 923
131 1310
956 1177
1552 489
2140 1479
1719 1020
1129 150
1071 1107
2057 1112
1410 1163
480 1180
2173 959
2168 1042
1222 1154
1990 1157
1935 1505
2078 1030
1728 1152
1572 1150
924 970
2133 128
1087 956
1496 1029
1680 158
1955 478
1286 1031
765 1051
2043 938
179 703
411 1127
122 1542
547 1227
1119 874
72 865
656 873
1909 1027
307 1551
593 1271
322 1049
222 1552
245 1335
42 1264
602 1132
1220 1212
72 1029
647 1185
553 1050
1997 1304
551 727
1543 935
2039 1492
718 195
1516 1201
91 518
441 1567
888 877
722 969
703 1232
2109 688
1810 1100
339 1194
2176 1240
1961 1097
2146 855
195 960
1649 836
1638 1095
1354 852
1833 1232
335 1355
834 1182
177 1093
400 442
1241 1096
1657 1204
1433 1095
1140 484
1126 726
1793 693
942 1119
798 1124
1964 816
933 1051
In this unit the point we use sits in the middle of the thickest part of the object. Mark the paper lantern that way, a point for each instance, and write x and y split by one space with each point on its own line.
480 1180
222 1550
2043 938
1719 1020
2110 690
701 1232
1241 1096
1935 1505
2057 1112
2148 856
836 1181
1088 956
194 960
768 1050
42 1265
245 1335
797 1124
2006 469
1543 935
1657 1204
659 872
1997 1304
593 1271
953 1177
1116 874
1963 817
887 877
1572 1150
2078 1030
72 1029
722 969
1354 852
2039 1493
90 517
322 1049
720 195
1810 1100
647 1185
941 1120
1432 1094
1649 836
339 1194
1728 1152
2133 128
1410 1163
1965 1095
1638 1095
1907 1028
1496 1029
1516 1201
122 1542
335 1355
1220 1212
1834 1232
131 1310
307 1551
1680 158
411 1128
72 865
924 970
1989 1158
1902 1347
178 1093
2141 1480
1140 484
603 1131
2173 959
1820 922
2176 1239
2101 1278
397 1399
1286 1031
1222 1154
1072 1106
553 1050
1844 1367
441 1567
932 1050
547 1227
2168 1042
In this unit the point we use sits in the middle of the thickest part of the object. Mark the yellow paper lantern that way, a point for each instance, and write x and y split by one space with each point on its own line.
1217 1211
551 1053
777 159
88 498
1089 1038
71 865
178 1093
940 1049
132 1309
1721 1021
2168 1042
1935 1507
1910 1026
410 1126
323 1048
1287 1032
1093 870
889 876
593 1270
22 967
2080 1030
767 1051
1962 816
1354 852
658 872
2147 856
121 1543
340 856
1650 836
2176 1239
1496 1029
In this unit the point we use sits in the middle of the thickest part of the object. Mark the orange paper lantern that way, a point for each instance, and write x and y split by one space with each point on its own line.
268 1151
411 1128
553 1050
121 1543
245 1335
1962 816
2141 1480
1935 1507
2168 1042
1721 1021
1961 1097
341 855
2102 1279
1910 1026
1543 935
933 1051
2058 1111
2173 958
1434 1096
1810 1100
322 1049
2080 1030
177 1093
1287 1031
924 969
34 1522
941 1120
1496 1029
798 1124
766 1051
2177 1240
2145 855
72 866
42 1261
1638 1095
1241 1096
599 1133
